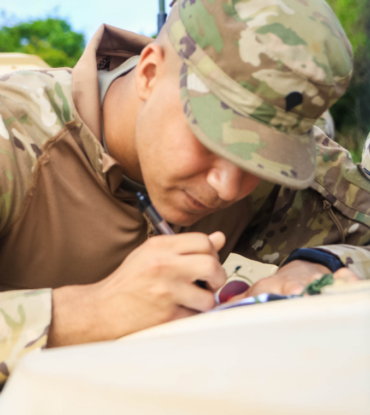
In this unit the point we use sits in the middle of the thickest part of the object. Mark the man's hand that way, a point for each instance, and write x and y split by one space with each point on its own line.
154 285
293 278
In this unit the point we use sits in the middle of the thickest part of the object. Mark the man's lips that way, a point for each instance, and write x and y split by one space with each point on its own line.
196 204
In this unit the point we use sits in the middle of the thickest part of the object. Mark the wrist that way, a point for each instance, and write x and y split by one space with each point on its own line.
73 320
315 256
309 267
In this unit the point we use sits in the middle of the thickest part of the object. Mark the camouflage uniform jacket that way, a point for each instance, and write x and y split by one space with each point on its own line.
65 220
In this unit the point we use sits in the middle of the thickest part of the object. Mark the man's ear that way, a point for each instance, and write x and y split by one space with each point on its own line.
149 70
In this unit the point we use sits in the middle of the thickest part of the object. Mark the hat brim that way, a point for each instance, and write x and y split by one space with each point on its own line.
263 151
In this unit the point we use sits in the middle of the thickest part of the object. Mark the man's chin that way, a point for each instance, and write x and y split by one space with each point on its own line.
183 219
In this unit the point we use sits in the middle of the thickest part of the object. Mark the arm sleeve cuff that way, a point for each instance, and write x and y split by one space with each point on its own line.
355 258
25 318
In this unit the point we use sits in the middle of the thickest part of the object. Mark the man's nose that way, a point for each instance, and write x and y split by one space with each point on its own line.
226 179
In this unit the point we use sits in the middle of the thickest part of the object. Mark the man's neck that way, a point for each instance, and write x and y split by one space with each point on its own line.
120 110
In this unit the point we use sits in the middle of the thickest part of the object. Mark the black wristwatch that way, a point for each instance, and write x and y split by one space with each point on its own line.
317 257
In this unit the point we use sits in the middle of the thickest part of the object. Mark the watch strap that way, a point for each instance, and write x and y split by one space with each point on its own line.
316 256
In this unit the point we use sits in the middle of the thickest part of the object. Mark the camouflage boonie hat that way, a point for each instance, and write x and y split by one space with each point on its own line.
257 75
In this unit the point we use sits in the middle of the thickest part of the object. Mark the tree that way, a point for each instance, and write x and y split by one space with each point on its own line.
352 112
52 39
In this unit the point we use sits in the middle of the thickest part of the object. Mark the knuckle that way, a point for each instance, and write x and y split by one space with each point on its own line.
289 285
342 273
158 266
262 283
160 242
162 292
223 277
166 314
345 273
152 242
209 301
207 244
212 266
204 242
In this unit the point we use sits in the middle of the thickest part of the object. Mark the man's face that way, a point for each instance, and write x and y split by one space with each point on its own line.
185 180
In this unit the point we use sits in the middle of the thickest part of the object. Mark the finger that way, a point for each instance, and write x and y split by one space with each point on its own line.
292 288
201 267
183 244
218 239
347 275
270 285
291 285
239 297
194 298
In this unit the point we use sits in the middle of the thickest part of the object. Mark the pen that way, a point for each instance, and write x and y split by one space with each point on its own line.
146 206
162 227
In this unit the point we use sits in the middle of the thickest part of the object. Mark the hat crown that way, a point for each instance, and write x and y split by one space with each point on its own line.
293 54
256 76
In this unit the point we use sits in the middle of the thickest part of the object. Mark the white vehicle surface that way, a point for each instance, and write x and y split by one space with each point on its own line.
10 62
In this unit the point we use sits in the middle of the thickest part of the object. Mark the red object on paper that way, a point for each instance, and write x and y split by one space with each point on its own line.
232 289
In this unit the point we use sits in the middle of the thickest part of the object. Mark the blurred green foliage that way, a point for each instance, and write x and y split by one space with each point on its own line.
352 112
52 39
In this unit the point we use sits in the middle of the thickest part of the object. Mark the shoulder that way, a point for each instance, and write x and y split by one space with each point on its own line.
34 107
40 100
341 181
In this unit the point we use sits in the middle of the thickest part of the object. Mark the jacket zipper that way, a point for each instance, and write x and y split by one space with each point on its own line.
328 206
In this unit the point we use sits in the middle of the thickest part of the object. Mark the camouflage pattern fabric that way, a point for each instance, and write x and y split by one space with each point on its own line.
366 157
335 208
33 108
257 75
327 124
32 104
24 325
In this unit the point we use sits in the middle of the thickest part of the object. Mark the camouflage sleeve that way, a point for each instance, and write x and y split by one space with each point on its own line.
356 258
25 316
333 214
24 324
326 124
27 120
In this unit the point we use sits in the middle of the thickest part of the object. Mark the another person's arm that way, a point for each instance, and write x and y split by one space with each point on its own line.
332 216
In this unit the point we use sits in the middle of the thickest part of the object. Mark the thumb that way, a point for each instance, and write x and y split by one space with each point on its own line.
218 240
347 275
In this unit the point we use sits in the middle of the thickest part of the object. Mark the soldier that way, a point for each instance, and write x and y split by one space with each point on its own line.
215 119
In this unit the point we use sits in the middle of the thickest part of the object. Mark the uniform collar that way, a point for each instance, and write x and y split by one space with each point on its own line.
109 48
106 78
